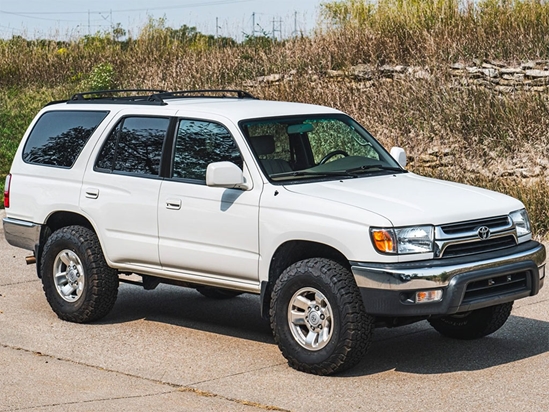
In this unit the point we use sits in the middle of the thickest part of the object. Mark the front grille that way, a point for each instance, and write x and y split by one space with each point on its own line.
497 286
470 248
455 229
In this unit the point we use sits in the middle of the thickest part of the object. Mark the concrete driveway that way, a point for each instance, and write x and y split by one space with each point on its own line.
171 349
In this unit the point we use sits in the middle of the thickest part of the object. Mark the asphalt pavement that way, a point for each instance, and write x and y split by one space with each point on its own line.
170 349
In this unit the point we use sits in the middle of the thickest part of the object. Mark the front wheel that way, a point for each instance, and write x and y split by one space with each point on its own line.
474 324
318 318
78 283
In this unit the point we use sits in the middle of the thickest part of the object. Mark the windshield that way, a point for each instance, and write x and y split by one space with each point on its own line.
311 147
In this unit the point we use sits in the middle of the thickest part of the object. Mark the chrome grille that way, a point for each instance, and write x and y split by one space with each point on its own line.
471 226
469 248
462 238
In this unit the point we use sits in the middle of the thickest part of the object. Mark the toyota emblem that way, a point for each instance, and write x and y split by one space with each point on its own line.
483 232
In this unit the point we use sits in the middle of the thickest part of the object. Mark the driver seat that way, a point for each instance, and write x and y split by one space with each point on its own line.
264 146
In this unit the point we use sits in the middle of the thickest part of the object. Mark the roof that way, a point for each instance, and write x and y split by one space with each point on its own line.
239 107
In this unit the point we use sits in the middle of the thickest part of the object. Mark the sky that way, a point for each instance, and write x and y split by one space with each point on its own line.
67 19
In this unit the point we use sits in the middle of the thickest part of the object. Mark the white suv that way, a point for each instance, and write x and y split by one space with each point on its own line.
219 191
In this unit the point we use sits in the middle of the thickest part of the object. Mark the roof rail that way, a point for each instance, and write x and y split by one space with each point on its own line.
152 96
213 93
140 96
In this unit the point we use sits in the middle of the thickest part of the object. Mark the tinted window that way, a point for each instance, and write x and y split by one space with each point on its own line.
297 148
200 143
59 136
135 146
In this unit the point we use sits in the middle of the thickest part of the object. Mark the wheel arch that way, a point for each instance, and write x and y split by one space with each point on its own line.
289 253
56 221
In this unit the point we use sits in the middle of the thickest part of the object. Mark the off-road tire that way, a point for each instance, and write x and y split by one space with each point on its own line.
217 293
351 327
475 324
99 283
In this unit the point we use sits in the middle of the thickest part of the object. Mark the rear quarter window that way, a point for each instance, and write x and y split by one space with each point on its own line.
58 137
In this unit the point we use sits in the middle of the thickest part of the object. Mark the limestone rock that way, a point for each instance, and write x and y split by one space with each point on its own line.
537 73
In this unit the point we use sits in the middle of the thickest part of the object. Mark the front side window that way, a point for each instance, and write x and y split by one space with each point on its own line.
134 146
199 143
297 148
58 137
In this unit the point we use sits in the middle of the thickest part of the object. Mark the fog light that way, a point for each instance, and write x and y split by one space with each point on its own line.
426 296
541 272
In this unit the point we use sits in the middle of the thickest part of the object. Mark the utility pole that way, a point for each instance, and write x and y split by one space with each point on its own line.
253 24
216 27
279 30
295 23
89 28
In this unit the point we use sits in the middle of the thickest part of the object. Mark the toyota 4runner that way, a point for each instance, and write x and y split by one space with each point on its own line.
218 191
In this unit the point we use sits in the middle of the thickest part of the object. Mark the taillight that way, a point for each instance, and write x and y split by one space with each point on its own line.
7 191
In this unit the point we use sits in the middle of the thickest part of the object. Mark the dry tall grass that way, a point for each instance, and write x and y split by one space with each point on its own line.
486 132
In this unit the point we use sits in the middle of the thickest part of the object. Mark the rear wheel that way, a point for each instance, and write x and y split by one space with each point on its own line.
78 283
318 317
474 324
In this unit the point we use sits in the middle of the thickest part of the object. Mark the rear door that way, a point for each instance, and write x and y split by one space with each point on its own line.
120 191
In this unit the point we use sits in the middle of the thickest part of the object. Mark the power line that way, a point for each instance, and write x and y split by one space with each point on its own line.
186 6
25 15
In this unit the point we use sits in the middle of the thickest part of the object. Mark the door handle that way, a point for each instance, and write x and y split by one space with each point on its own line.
173 204
92 193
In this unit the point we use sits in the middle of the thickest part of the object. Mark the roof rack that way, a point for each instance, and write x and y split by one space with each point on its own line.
152 96
140 96
212 93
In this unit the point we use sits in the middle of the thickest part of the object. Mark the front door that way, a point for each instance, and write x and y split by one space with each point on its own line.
207 231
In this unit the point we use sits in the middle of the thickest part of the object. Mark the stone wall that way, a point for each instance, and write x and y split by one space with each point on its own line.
502 77
529 76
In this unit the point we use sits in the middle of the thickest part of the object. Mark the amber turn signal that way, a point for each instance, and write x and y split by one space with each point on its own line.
384 240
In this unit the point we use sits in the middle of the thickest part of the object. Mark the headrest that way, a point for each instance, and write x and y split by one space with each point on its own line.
263 145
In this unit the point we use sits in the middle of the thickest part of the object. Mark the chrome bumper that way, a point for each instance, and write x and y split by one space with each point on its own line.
20 233
438 273
466 283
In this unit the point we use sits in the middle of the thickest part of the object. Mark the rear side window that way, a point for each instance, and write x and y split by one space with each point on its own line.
58 137
134 146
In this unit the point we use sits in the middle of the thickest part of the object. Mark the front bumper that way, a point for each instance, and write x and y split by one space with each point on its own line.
467 283
20 233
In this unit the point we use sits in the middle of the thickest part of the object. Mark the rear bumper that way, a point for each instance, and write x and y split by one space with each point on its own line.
467 283
20 233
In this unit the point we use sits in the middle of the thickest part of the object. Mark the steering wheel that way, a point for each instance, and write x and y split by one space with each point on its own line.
332 154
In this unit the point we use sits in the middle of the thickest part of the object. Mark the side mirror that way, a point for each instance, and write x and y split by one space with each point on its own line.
225 174
399 155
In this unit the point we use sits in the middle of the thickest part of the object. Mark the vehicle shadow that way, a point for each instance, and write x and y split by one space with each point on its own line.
416 348
422 350
237 317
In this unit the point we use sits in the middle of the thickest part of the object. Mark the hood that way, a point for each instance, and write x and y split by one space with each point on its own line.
408 199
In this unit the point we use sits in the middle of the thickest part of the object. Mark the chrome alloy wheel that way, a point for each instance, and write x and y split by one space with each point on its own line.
68 275
310 319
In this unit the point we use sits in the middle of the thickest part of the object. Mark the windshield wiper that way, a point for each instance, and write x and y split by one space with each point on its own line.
353 172
299 173
366 168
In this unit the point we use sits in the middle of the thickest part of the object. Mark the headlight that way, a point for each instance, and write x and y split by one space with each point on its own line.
404 240
521 221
